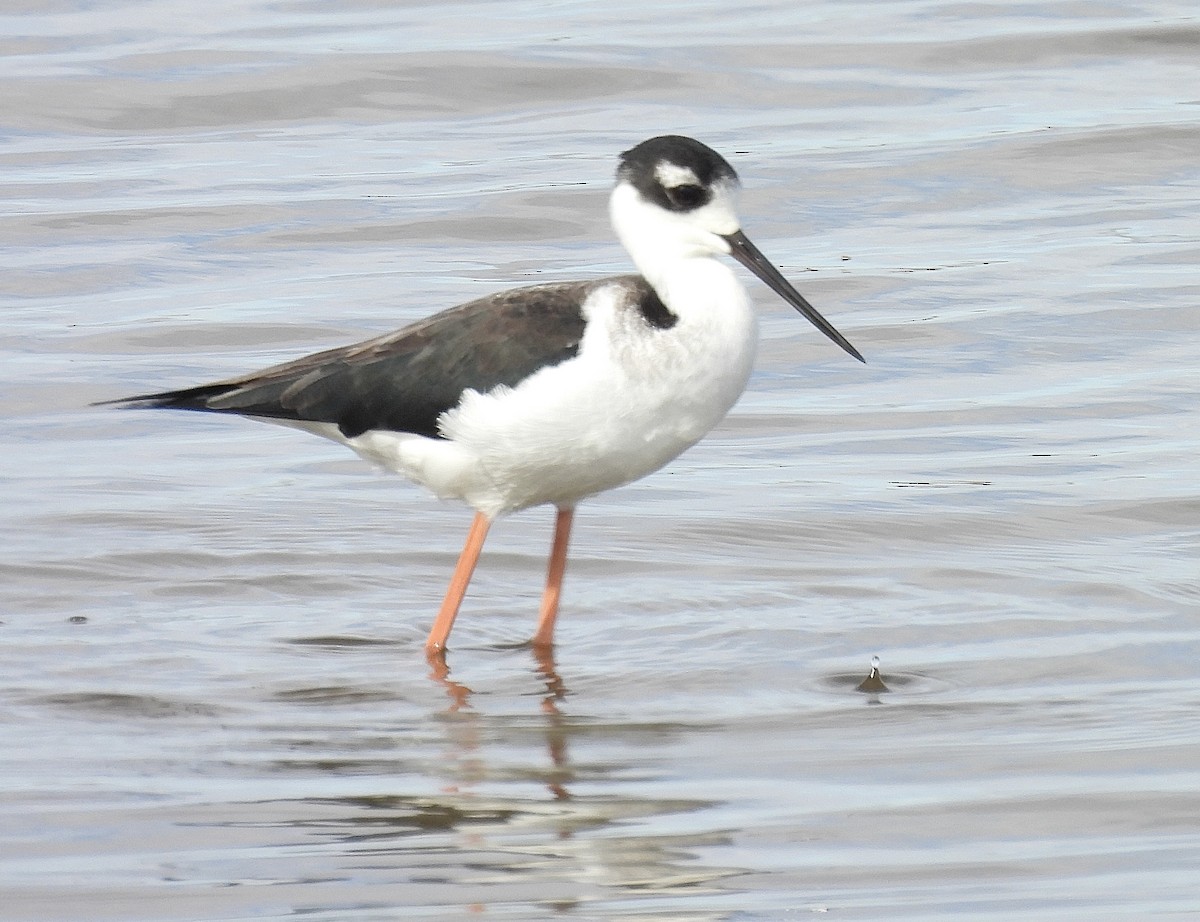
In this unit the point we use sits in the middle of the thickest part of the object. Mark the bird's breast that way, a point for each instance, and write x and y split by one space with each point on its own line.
634 397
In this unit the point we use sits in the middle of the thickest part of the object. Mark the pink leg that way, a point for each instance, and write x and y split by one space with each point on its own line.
440 633
543 638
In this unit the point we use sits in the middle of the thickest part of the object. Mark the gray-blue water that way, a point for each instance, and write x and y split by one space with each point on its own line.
213 699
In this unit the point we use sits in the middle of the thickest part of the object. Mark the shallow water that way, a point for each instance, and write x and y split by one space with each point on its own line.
214 700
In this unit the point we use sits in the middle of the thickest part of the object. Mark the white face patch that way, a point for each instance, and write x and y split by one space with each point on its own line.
670 175
719 215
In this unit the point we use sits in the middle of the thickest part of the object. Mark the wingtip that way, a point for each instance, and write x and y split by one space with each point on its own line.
127 403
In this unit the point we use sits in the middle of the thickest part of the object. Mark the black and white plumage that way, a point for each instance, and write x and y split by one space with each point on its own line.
551 393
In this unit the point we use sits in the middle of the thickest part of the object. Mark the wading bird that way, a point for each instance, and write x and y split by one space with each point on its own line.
553 393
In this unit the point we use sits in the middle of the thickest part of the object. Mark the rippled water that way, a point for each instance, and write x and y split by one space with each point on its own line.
215 704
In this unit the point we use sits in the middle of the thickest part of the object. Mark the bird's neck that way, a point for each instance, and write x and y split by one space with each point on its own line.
695 287
667 252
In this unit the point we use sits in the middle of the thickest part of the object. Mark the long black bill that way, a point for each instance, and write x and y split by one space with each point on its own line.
745 252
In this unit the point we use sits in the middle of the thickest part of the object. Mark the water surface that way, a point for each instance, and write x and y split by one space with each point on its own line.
214 700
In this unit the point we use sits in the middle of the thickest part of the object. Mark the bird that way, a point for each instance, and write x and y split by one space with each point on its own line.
552 393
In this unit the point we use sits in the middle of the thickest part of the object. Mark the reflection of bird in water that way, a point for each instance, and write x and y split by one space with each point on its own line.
467 739
554 393
556 729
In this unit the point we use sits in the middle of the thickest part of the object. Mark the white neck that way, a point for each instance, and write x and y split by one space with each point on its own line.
677 254
659 241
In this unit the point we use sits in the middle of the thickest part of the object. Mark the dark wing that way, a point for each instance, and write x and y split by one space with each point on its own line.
404 381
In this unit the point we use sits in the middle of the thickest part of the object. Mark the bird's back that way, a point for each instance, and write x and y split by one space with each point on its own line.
403 381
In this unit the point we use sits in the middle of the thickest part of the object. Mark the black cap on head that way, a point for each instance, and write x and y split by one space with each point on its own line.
675 172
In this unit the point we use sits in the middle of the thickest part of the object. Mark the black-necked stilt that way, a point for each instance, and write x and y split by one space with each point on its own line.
553 393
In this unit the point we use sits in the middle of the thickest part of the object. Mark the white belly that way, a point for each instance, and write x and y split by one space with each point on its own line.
632 399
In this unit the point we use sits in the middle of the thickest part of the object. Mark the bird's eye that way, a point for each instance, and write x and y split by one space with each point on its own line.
687 196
